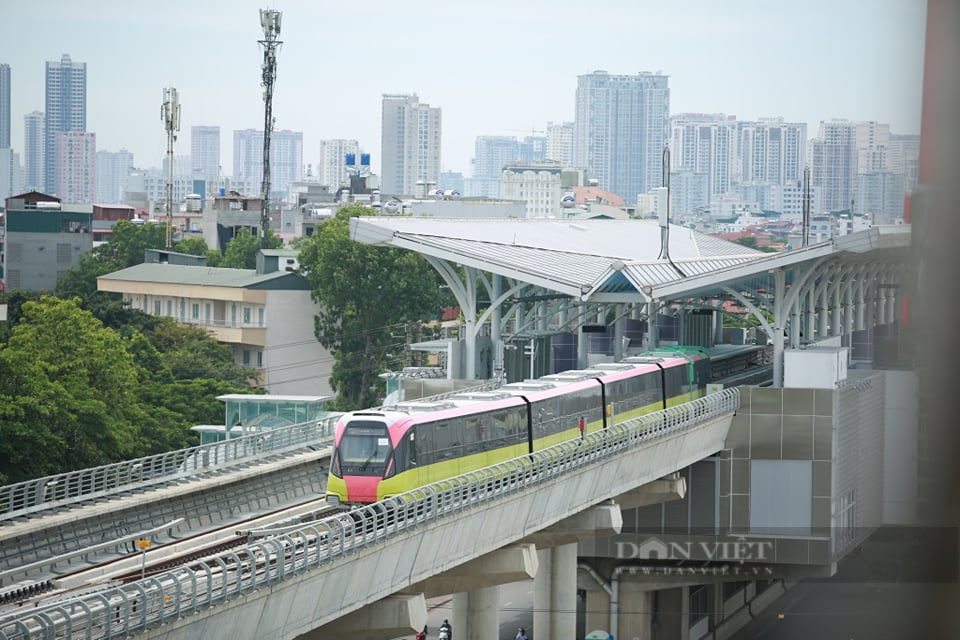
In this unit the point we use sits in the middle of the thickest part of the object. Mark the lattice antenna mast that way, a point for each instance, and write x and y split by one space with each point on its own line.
170 114
270 21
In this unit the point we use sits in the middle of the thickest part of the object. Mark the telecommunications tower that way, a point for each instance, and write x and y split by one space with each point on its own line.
270 21
170 114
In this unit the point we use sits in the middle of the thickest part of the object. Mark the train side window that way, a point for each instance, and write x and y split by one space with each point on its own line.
427 450
443 440
412 449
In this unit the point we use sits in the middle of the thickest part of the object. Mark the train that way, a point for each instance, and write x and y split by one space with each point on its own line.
385 452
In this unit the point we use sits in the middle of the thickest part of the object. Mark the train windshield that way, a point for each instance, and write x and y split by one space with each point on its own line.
364 448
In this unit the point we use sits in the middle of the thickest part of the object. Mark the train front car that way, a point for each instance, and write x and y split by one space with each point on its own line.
364 456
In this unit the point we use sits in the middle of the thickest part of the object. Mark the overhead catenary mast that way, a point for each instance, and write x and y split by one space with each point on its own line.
270 21
170 114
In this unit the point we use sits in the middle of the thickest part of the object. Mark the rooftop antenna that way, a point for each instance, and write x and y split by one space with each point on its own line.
270 21
170 114
806 205
664 216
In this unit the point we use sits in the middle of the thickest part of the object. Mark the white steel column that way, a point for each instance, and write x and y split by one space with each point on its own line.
496 319
811 323
779 291
848 309
555 593
823 313
835 328
476 614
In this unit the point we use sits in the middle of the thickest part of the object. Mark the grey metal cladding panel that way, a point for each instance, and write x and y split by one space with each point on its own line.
711 246
567 267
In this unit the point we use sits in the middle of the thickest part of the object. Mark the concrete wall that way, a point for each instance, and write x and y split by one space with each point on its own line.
295 363
900 451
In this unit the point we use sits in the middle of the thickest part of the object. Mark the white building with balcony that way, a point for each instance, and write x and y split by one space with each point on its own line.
265 315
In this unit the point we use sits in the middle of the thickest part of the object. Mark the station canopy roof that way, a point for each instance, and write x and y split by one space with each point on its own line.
605 260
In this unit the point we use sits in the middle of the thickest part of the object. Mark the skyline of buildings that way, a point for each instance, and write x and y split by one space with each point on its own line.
718 163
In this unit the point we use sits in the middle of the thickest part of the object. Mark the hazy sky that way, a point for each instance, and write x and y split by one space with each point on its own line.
495 67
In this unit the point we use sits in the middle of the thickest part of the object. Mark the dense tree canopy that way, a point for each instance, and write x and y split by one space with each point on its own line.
365 294
242 250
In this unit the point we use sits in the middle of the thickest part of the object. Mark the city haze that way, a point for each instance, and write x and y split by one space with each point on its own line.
494 68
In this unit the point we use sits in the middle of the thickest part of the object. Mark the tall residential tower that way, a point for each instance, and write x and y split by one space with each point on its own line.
33 151
66 110
410 145
205 154
621 125
4 106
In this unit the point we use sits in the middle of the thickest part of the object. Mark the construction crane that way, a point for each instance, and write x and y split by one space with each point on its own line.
270 21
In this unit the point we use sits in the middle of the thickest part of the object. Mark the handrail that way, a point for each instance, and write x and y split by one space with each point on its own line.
74 486
197 586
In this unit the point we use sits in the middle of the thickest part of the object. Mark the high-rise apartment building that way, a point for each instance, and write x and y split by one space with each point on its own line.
113 167
332 170
286 158
903 158
560 143
833 163
205 155
4 106
66 110
491 155
620 127
33 151
707 144
76 167
410 145
772 151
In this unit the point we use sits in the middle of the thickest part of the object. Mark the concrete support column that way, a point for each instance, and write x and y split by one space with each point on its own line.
555 593
672 615
811 324
598 611
635 617
476 614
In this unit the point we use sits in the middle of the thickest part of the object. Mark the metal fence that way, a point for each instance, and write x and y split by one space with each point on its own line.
75 486
138 606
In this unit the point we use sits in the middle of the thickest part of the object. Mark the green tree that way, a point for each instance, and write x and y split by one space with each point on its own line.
30 410
751 243
365 293
242 250
92 374
198 247
127 244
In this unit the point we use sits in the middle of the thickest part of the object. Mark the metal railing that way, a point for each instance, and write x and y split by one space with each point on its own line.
138 606
75 486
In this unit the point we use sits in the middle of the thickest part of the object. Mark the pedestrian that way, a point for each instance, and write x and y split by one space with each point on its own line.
521 634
